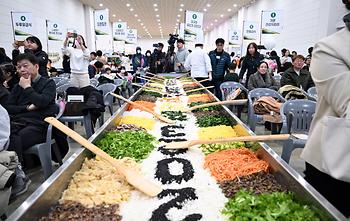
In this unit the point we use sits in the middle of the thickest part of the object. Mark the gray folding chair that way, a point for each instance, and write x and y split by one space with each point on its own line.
297 116
61 90
107 89
312 92
43 150
277 79
256 94
94 82
229 86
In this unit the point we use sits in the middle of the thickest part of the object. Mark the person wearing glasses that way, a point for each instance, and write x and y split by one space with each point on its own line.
296 75
220 61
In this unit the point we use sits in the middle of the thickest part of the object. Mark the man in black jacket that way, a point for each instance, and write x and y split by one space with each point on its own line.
297 76
30 101
220 60
157 60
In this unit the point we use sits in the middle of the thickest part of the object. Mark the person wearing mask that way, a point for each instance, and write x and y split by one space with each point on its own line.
100 57
297 76
9 76
138 63
180 56
3 57
198 62
93 57
30 102
250 62
157 59
276 58
262 78
330 69
148 58
231 74
79 61
33 45
220 60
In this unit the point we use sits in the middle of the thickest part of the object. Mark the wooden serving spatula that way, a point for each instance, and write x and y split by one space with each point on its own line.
132 176
148 88
232 102
159 116
199 89
190 143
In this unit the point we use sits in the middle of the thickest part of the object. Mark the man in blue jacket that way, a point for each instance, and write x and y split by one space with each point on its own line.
220 60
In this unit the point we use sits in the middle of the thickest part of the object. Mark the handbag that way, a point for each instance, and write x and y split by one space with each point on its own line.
335 146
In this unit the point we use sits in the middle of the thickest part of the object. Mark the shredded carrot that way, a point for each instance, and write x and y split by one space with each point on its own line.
232 163
199 97
170 99
146 104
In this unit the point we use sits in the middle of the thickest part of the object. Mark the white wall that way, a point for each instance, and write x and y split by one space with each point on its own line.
68 12
304 22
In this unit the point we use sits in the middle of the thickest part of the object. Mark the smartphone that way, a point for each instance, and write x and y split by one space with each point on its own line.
74 35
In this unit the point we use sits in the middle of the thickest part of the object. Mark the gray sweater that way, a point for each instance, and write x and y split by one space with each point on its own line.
180 57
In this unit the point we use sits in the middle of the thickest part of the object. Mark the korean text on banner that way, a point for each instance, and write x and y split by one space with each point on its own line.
55 37
119 31
22 23
101 22
250 30
235 37
271 22
131 36
193 26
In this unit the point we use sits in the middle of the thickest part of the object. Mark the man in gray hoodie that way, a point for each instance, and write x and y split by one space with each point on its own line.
180 56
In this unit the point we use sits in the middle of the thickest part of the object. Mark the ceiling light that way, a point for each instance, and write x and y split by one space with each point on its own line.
131 9
160 27
156 9
229 9
107 9
208 5
180 9
182 5
158 20
139 20
136 15
205 9
113 15
221 15
141 24
101 5
178 15
155 5
211 24
157 16
215 20
178 20
119 20
234 5
127 5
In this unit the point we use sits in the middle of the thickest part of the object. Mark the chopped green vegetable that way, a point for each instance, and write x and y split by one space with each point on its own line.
254 146
268 206
152 93
210 121
211 108
132 144
175 115
211 148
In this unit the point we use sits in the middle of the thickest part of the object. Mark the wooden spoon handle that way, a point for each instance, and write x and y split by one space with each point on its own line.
158 76
204 80
147 79
199 89
233 102
148 88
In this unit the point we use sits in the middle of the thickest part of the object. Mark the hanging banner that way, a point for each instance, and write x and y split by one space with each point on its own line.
131 36
250 30
101 22
271 22
182 30
55 37
22 24
235 37
193 26
119 31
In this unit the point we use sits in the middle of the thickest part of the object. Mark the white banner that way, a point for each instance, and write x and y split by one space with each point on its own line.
55 37
131 36
271 22
193 31
22 23
250 30
119 31
101 22
234 37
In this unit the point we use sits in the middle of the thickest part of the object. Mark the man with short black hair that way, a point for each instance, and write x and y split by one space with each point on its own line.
220 60
157 59
93 56
180 56
297 76
30 102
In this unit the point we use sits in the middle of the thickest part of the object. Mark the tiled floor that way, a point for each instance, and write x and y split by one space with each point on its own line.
37 178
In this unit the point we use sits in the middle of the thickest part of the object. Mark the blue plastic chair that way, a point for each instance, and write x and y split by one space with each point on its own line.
277 79
312 92
61 90
94 82
43 150
297 116
229 86
107 98
63 81
256 94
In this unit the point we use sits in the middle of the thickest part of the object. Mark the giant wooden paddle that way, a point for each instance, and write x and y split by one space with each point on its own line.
157 76
148 88
190 143
199 89
133 177
160 117
232 102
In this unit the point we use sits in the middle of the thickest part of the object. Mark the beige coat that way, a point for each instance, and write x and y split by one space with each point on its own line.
330 70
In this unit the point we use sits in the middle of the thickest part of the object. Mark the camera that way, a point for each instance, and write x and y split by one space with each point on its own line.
173 39
155 45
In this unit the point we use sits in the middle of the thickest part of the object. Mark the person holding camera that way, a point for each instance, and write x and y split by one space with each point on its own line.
32 45
180 56
157 59
79 61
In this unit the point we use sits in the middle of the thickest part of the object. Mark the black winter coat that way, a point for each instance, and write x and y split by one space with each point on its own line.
41 56
219 66
290 77
250 64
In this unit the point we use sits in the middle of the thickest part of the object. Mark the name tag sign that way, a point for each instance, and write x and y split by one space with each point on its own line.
75 98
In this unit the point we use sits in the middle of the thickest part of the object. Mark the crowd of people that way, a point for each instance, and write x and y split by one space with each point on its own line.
28 92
